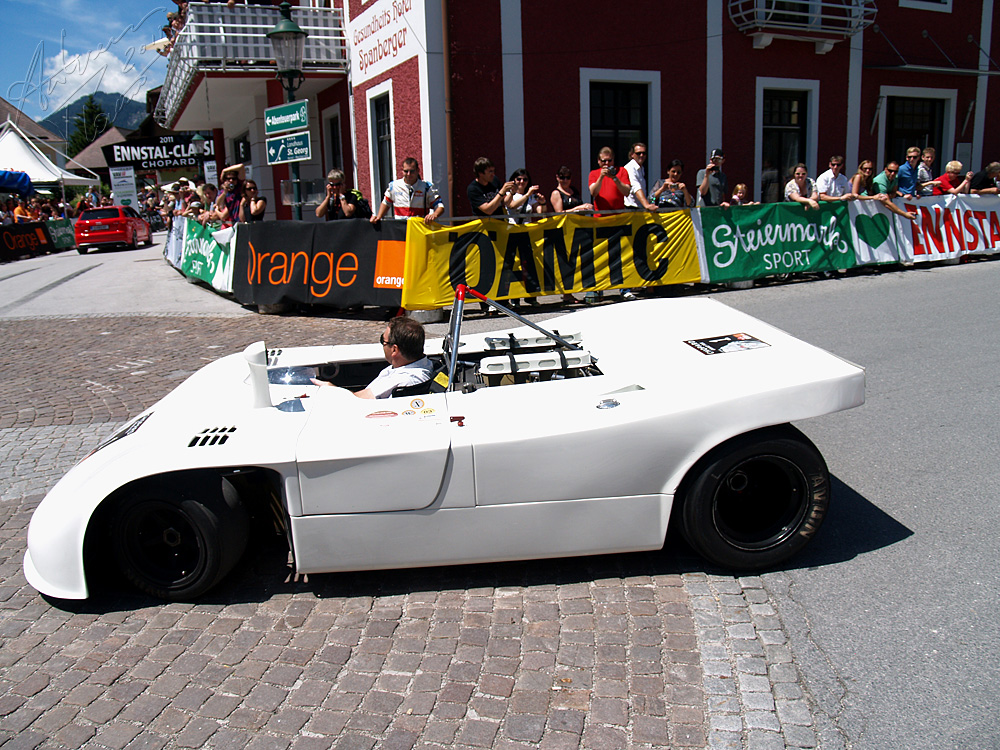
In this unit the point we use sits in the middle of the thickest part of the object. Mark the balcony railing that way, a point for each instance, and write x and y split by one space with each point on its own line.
218 38
828 18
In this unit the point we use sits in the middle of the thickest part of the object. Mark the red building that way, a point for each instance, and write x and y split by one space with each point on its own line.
772 82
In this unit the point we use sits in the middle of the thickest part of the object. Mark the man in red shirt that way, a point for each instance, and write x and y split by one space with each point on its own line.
609 185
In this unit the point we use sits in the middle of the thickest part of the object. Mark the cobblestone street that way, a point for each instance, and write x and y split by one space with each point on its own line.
618 651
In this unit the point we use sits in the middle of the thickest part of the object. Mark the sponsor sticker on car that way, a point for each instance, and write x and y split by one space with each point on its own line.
732 342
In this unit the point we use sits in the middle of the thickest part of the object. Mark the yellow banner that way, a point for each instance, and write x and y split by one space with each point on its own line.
567 253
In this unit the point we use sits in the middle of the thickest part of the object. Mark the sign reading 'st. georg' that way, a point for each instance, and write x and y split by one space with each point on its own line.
386 34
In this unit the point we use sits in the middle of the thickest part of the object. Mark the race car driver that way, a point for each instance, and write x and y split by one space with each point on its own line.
403 346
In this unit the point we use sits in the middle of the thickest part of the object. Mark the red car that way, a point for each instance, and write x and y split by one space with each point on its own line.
111 225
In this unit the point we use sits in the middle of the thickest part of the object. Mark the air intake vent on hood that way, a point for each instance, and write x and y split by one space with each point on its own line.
211 436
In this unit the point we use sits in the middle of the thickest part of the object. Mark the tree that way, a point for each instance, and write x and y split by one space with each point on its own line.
90 124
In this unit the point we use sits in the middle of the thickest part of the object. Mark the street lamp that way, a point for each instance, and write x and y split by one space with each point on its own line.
288 44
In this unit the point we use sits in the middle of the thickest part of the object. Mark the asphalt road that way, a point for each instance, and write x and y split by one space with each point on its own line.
892 611
105 282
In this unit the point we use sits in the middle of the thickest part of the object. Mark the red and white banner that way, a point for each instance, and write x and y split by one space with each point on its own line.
948 227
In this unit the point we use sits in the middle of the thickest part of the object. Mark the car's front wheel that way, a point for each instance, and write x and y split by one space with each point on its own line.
756 500
177 539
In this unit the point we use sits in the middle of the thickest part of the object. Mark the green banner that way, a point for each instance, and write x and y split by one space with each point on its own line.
748 242
61 233
202 257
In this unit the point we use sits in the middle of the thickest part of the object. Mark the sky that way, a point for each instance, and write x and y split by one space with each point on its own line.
56 51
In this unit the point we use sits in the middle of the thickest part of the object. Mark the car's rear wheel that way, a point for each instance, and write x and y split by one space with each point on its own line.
82 249
133 241
177 539
756 500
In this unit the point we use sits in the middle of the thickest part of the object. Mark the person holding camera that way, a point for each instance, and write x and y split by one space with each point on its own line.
339 202
608 184
713 186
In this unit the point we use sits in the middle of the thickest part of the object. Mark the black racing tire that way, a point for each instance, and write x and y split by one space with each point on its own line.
133 243
756 500
176 539
82 249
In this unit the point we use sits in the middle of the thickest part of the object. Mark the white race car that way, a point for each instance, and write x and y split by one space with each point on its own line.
587 437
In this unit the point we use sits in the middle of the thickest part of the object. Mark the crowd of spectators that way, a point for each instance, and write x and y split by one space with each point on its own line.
22 210
613 188
202 201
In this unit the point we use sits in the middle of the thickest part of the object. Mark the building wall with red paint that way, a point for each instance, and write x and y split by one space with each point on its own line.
845 84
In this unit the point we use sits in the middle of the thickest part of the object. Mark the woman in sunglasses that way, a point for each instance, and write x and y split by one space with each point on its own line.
253 205
565 199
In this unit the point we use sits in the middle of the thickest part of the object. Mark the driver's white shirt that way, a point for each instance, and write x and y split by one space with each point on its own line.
391 377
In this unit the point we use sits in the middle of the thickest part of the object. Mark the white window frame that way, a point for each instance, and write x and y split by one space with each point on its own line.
950 97
374 93
325 117
612 75
943 7
811 87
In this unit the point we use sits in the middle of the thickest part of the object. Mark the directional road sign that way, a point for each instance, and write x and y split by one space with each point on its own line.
285 117
286 148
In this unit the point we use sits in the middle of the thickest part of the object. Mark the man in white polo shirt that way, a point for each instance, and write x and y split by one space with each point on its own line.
832 185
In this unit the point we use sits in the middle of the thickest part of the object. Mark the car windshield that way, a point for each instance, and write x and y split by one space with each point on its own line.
100 213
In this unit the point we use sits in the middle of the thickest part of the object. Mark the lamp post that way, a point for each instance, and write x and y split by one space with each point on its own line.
288 43
199 141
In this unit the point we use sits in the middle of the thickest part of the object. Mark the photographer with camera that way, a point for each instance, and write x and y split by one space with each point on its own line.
339 202
713 186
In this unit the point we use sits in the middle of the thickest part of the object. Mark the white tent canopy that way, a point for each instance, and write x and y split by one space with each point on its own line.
19 154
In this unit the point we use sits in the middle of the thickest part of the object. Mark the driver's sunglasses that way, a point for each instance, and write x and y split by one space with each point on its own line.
383 342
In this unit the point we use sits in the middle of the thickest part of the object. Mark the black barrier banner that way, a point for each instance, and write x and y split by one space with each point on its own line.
18 240
335 264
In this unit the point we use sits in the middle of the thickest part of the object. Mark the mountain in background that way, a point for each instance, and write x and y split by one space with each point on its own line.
125 113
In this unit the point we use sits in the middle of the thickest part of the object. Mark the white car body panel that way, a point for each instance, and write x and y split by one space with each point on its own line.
508 472
446 536
350 443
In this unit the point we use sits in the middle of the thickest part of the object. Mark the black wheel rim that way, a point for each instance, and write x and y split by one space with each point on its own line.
162 545
760 502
